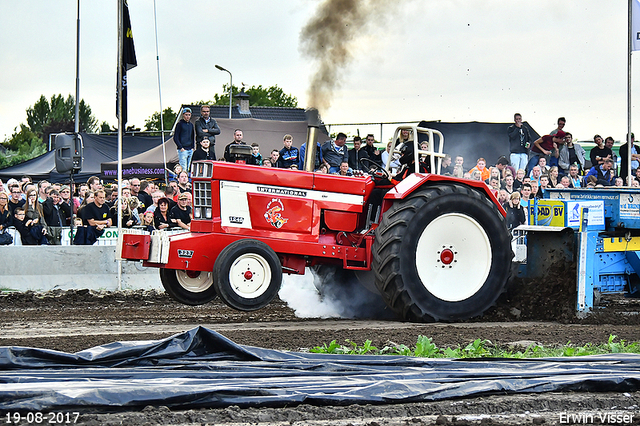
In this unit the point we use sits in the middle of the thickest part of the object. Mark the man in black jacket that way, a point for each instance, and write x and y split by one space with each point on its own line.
144 195
519 142
53 216
16 199
237 140
356 154
180 215
65 204
371 150
207 128
204 151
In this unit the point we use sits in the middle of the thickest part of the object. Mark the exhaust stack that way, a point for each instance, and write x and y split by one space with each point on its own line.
313 120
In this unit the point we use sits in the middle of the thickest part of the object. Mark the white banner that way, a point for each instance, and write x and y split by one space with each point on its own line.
635 25
108 238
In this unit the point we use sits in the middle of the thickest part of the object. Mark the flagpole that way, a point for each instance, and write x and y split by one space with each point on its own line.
629 37
164 154
76 125
76 119
120 129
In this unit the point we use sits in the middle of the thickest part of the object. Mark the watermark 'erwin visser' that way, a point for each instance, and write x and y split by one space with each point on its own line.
591 418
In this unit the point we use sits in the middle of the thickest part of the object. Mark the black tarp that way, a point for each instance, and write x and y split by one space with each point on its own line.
97 150
200 368
475 139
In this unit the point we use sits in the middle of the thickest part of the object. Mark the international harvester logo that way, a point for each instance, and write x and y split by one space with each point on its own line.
274 215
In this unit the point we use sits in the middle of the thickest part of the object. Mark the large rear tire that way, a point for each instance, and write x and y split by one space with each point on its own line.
248 275
442 254
188 287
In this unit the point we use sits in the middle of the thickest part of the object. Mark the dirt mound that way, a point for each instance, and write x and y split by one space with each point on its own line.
527 299
555 298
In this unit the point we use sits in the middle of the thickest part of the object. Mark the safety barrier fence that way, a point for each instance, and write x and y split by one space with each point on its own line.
108 238
45 268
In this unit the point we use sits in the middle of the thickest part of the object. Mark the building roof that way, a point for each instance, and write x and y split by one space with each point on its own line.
256 112
259 112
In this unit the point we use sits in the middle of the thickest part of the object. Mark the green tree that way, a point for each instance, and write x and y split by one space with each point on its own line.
22 141
62 110
258 96
37 115
168 118
44 118
22 146
57 115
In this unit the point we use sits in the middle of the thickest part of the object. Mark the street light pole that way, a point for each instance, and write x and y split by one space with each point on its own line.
230 87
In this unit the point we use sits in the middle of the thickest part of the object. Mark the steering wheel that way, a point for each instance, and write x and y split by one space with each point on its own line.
375 169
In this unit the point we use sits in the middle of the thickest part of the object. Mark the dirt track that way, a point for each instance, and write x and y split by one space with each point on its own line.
75 320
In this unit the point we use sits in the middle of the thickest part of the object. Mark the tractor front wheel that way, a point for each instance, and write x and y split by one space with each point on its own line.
248 275
442 254
188 287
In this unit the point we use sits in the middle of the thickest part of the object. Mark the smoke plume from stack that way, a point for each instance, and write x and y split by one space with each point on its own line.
329 38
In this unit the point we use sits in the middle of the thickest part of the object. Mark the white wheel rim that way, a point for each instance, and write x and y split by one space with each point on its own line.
453 257
195 285
250 276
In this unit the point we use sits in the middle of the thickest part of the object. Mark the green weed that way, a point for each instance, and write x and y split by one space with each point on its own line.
426 348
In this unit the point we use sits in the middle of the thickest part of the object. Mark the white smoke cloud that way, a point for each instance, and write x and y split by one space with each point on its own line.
341 297
302 296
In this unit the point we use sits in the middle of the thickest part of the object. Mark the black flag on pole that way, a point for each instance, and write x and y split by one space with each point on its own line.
128 58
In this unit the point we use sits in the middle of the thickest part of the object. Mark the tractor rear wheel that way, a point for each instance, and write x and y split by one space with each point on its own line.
442 254
188 287
248 275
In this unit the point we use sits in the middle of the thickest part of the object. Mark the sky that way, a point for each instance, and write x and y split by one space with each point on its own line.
447 60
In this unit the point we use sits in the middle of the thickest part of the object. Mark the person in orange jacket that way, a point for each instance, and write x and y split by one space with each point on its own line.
481 166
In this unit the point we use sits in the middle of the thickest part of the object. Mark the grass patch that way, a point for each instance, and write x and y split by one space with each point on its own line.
425 348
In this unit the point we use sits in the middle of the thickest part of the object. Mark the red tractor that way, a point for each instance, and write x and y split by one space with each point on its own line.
436 248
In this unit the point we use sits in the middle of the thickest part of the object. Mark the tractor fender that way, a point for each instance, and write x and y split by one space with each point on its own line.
416 180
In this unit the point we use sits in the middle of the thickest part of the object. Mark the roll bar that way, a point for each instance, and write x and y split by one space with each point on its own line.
417 152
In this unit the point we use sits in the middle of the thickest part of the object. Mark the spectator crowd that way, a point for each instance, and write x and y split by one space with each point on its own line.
39 211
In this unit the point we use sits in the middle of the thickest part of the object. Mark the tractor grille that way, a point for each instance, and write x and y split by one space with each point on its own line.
202 200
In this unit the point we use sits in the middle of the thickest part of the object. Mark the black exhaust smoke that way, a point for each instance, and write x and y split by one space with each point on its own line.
328 39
